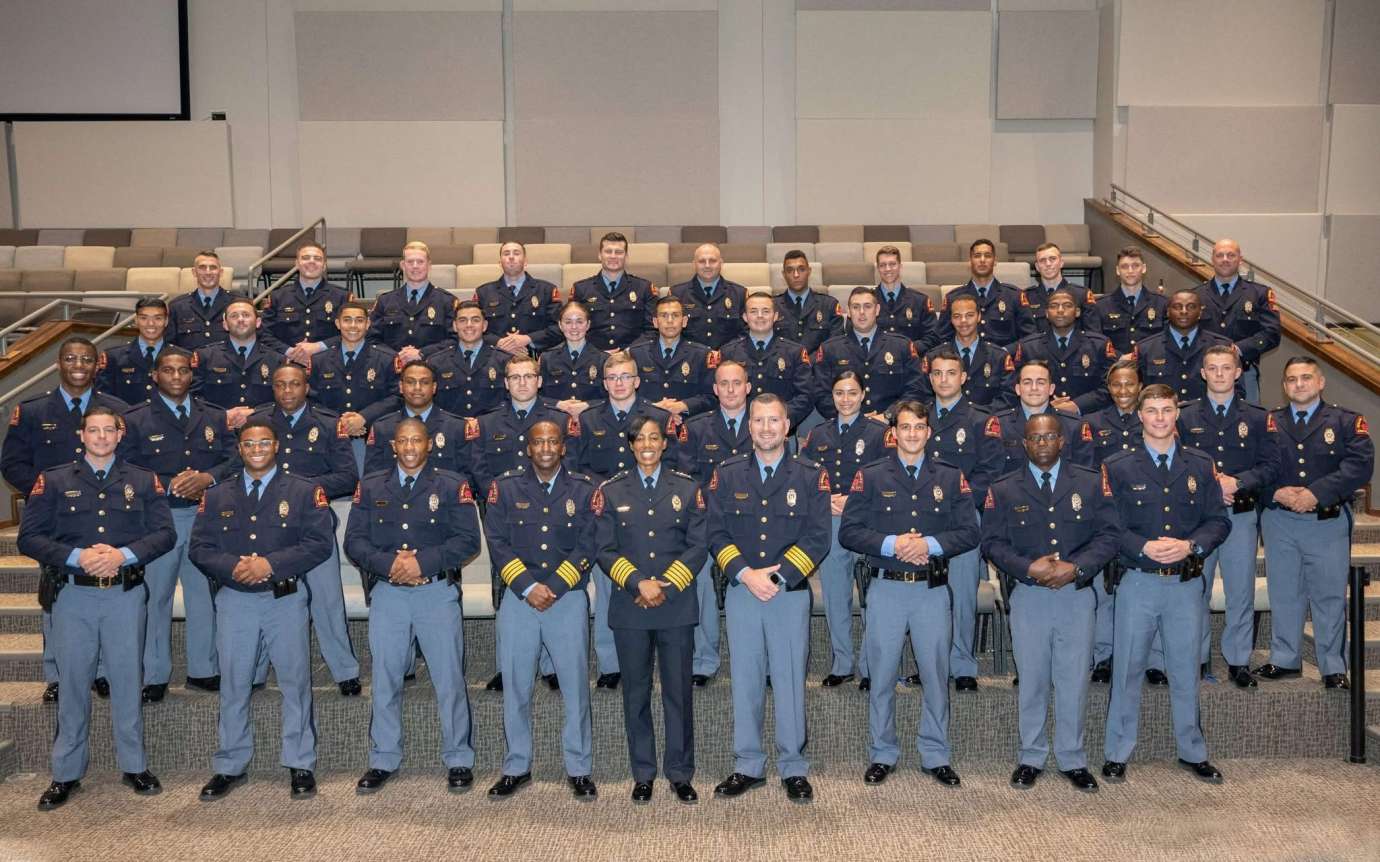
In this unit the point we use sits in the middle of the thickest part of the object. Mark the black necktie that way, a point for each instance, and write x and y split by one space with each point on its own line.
866 343
244 354
761 345
914 471
521 415
1183 342
1163 459
517 288
182 414
766 473
1063 343
733 427
649 482
100 476
206 304
1224 290
349 358
408 483
1300 418
148 353
254 489
1221 411
943 411
982 294
469 358
416 294
76 407
967 356
620 415
546 486
843 428
708 292
612 288
666 352
290 419
574 357
799 304
307 292
1045 483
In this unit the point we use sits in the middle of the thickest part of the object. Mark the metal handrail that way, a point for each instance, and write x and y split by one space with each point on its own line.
272 253
1310 302
66 300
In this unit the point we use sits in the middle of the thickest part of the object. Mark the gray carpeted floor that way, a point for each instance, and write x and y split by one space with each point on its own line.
1267 810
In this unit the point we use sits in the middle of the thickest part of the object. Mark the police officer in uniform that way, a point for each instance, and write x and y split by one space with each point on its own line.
256 536
1049 269
842 446
602 452
417 313
236 374
989 374
302 312
773 364
469 371
1324 455
188 445
1171 517
805 316
1130 313
314 444
1242 310
127 371
768 532
713 305
355 376
901 309
1033 388
572 372
615 298
92 526
1232 431
410 531
710 439
1078 360
521 309
540 526
677 373
651 540
887 362
1049 530
999 303
909 515
417 385
45 431
197 319
1174 356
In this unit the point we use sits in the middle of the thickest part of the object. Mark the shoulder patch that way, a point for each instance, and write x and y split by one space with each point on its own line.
819 353
714 480
804 356
992 428
102 361
196 358
857 485
14 416
340 430
158 486
572 426
824 481
38 486
1020 350
471 428
596 502
963 486
1025 299
493 493
1106 483
370 440
397 364
1086 433
556 295
466 495
913 354
889 439
321 500
359 493
1110 351
201 506
711 359
1361 427
699 499
1270 425
990 502
1008 366
1270 300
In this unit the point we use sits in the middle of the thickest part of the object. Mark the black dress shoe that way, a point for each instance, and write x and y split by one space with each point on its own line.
1241 675
303 784
101 686
608 680
410 677
798 789
154 693
642 793
865 684
144 783
1015 681
877 772
768 680
1336 680
1274 671
372 781
1155 676
685 794
1114 771
1203 771
1102 671
50 694
835 679
1024 777
205 683
507 785
912 681
220 786
495 684
350 687
258 686
945 775
1081 779
582 786
699 680
459 779
965 683
552 681
737 784
56 794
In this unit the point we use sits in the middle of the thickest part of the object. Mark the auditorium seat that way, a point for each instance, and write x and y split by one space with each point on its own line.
245 237
679 272
657 233
38 257
936 252
870 250
913 273
795 233
152 237
45 281
531 235
342 245
11 296
754 234
841 233
468 277
776 251
966 234
241 259
432 236
380 250
537 252
443 276
572 235
6 257
841 292
200 237
848 273
1075 246
472 235
816 280
551 272
112 236
18 237
1014 273
573 272
743 252
748 273
839 252
60 236
134 255
702 233
88 257
1022 240
649 252
930 290
888 233
947 272
153 279
454 255
657 273
285 259
596 232
186 278
103 280
180 256
586 252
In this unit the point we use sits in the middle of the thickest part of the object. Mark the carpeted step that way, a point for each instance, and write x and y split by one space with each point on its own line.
1372 636
9 758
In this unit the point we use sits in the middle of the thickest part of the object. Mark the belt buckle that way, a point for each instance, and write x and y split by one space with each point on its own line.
106 583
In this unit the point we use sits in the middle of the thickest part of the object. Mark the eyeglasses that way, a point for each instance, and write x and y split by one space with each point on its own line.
257 444
523 378
1051 437
620 378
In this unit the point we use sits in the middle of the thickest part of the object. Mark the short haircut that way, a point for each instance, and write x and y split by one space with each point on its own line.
912 406
1223 350
206 252
257 422
982 241
102 410
795 254
408 423
621 357
758 294
573 303
946 353
519 359
559 426
168 352
507 242
352 305
417 245
869 292
311 243
151 302
962 297
1193 290
668 299
639 422
1130 251
1064 291
1052 417
1300 359
1123 365
767 399
419 363
81 340
1035 363
730 363
1156 391
1046 246
291 365
613 236
469 303
888 250
241 300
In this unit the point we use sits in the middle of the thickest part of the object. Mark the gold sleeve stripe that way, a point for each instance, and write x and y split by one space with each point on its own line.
511 571
679 575
620 571
800 560
727 555
568 573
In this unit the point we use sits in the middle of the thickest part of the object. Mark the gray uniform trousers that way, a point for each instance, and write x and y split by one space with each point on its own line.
560 634
1306 563
771 637
893 607
1052 637
836 585
965 572
1104 624
162 576
706 660
605 654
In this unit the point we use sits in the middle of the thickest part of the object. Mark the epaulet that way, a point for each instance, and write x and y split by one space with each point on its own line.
981 409
1077 468
882 422
685 476
621 474
1119 456
1195 452
377 473
325 412
263 409
513 473
578 477
698 418
735 459
807 463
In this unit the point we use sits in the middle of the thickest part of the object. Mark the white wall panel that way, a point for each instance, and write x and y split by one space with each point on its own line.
1353 184
1041 172
1287 244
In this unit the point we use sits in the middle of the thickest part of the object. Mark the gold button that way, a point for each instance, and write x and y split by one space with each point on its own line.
100 529
252 537
404 526
253 517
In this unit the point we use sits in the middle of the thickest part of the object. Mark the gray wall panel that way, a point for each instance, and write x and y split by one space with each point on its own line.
1047 65
1356 53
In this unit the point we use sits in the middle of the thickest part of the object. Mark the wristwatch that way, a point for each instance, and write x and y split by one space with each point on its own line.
1198 550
